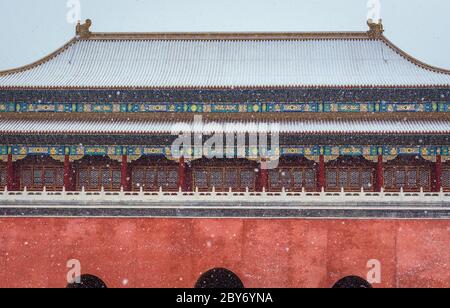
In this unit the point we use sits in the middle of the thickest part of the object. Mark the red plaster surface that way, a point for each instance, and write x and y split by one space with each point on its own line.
263 253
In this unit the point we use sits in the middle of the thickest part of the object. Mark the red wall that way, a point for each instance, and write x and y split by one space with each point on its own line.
263 253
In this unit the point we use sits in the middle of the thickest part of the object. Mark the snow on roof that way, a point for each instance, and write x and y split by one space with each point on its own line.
226 61
141 127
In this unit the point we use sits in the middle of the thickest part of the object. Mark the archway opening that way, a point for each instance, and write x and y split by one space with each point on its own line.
352 282
219 278
88 282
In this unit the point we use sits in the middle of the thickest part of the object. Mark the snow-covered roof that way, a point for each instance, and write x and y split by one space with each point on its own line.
97 60
142 127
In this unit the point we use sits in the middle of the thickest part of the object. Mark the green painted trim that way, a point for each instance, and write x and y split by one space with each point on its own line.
229 107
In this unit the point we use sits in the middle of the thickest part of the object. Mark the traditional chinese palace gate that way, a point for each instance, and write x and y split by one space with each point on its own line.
354 112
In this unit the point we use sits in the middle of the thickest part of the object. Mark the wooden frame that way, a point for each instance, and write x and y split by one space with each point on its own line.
410 173
94 172
36 172
351 173
152 173
288 173
223 174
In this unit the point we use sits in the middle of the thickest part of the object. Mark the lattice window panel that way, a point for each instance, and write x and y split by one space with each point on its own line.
162 177
298 178
37 178
201 179
446 178
216 178
172 179
343 178
59 173
150 179
425 178
292 178
310 178
137 178
105 178
93 179
116 179
366 178
389 181
3 176
231 178
332 178
247 179
400 177
355 181
274 179
27 178
349 178
154 178
82 179
411 179
408 178
285 176
49 177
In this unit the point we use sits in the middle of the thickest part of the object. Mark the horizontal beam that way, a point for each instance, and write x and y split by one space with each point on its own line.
311 152
227 107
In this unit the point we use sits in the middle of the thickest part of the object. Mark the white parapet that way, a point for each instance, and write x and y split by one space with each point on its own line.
214 197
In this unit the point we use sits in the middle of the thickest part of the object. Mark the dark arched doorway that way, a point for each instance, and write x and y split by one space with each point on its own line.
352 282
88 282
219 278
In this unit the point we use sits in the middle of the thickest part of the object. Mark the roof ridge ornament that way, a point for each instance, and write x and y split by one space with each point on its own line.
376 28
83 30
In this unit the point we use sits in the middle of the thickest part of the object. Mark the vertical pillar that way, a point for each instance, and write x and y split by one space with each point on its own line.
321 175
10 173
67 173
264 176
182 174
124 173
380 174
438 173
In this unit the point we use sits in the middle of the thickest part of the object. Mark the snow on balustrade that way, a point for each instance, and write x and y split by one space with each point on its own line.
236 197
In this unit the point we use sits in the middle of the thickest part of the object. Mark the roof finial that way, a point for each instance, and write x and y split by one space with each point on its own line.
83 30
376 28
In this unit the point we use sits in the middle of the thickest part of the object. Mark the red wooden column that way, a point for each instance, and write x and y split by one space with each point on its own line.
438 173
321 175
124 172
10 172
67 173
264 176
380 174
182 174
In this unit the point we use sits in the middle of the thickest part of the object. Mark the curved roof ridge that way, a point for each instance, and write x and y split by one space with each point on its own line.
41 61
412 59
